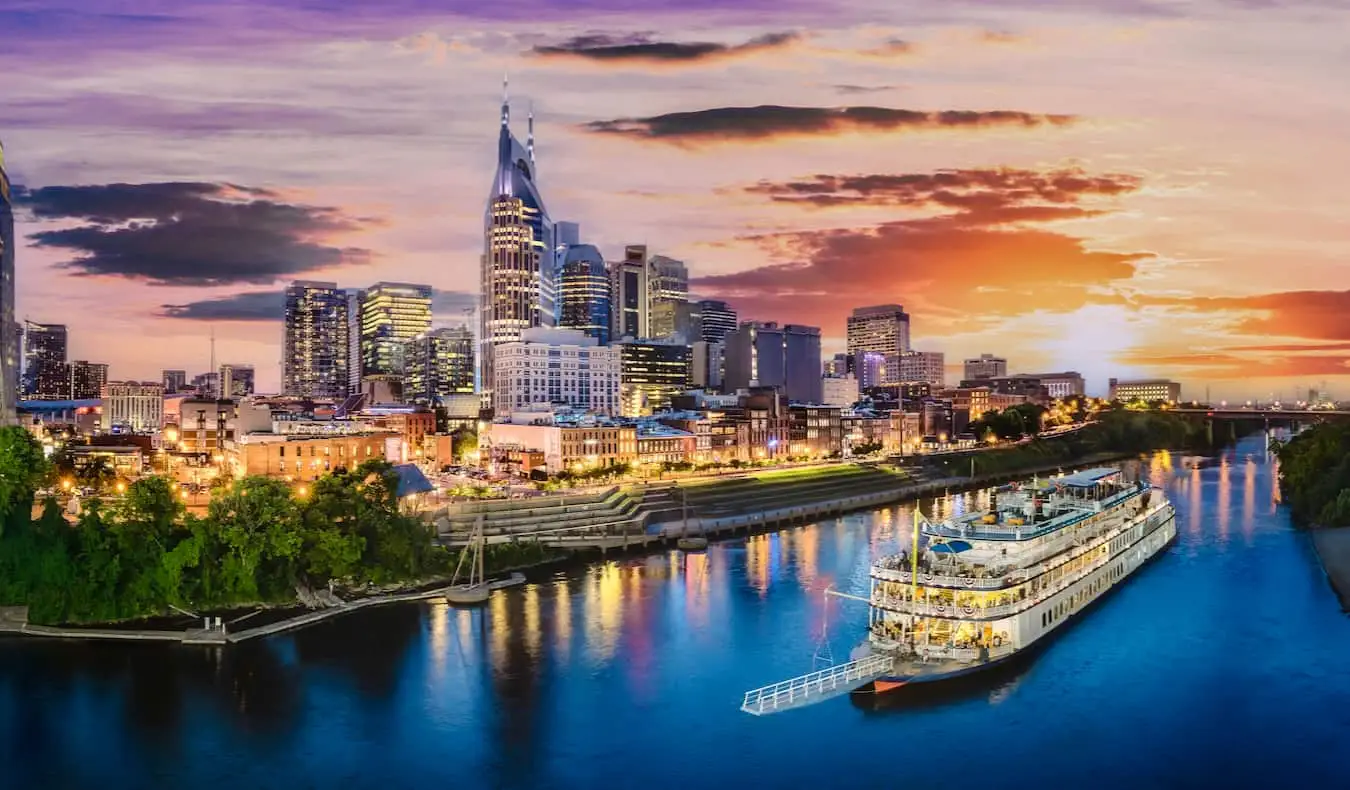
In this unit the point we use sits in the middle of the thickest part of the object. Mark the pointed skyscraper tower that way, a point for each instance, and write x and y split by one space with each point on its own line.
518 290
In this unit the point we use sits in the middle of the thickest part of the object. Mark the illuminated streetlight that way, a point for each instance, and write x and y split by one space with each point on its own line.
302 491
121 487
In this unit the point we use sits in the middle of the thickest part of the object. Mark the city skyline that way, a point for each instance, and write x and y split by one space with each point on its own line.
1014 209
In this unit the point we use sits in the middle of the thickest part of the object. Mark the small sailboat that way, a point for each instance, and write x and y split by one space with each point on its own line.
475 590
687 542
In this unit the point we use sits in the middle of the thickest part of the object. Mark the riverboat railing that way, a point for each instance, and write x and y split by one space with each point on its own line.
892 569
1028 531
959 612
816 686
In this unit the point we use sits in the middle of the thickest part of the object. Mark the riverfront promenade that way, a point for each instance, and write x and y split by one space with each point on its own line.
14 621
744 507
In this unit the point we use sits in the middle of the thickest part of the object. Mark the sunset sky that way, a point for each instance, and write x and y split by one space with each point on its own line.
1119 187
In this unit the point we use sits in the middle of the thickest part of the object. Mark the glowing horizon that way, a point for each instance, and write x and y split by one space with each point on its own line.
1129 189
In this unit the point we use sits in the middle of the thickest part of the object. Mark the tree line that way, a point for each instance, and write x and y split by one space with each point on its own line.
142 553
1315 475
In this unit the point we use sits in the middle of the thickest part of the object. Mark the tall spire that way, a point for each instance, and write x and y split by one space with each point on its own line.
529 140
506 104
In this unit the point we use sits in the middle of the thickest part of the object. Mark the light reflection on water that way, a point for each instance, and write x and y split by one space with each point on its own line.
588 677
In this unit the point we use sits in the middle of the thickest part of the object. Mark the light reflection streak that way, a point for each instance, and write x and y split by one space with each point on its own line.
1196 500
808 554
1225 497
499 625
532 631
604 611
440 637
562 619
1249 500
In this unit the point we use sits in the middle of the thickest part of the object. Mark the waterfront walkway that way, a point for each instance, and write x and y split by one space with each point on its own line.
14 621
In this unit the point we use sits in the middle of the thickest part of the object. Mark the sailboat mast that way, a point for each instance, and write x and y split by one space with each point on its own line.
914 579
481 539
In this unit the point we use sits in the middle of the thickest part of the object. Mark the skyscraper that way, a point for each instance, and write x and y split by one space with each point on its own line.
632 294
439 363
314 361
9 330
652 372
717 319
764 354
391 315
87 379
912 366
669 283
584 290
518 285
46 376
881 329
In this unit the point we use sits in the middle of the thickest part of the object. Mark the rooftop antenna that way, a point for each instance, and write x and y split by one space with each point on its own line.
213 370
529 139
506 103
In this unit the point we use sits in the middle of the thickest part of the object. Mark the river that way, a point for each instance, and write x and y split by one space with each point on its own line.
1221 663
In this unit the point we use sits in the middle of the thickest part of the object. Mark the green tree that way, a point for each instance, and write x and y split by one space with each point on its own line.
463 442
96 472
23 467
257 522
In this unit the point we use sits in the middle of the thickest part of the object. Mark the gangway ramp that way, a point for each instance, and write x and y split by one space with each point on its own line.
816 686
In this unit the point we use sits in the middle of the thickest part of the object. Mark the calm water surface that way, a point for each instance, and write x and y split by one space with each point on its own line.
1223 663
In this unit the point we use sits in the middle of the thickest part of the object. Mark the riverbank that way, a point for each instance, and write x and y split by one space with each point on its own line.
1333 550
268 621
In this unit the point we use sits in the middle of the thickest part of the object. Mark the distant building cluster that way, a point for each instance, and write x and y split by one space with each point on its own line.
568 361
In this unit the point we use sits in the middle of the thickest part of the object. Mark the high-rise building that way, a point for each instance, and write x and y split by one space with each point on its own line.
391 315
652 373
1147 390
985 366
716 320
87 379
912 366
705 364
584 291
669 300
870 367
563 366
353 353
764 354
9 329
174 381
882 329
45 372
133 405
439 364
518 278
235 381
631 292
314 358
